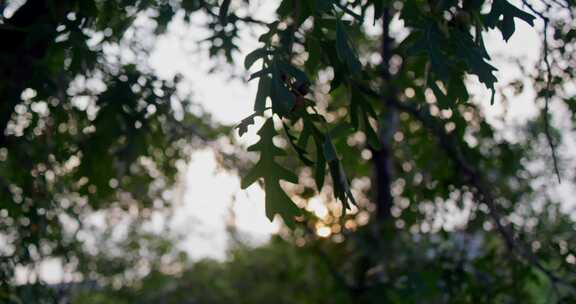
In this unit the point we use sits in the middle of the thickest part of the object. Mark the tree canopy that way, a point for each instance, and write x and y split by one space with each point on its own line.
365 106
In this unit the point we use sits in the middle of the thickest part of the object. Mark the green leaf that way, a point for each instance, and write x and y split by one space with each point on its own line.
264 90
474 59
371 135
324 5
304 137
329 150
277 201
245 123
272 30
507 27
314 54
294 72
345 52
354 114
320 170
502 14
253 56
302 153
442 99
260 73
282 99
309 129
223 14
341 129
429 41
341 186
360 111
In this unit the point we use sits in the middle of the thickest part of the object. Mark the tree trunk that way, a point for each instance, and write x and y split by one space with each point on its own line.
383 158
383 172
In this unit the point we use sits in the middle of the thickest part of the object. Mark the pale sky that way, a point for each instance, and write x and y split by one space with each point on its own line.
208 196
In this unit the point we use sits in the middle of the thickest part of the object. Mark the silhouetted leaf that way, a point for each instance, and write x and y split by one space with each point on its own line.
345 52
253 56
502 14
277 201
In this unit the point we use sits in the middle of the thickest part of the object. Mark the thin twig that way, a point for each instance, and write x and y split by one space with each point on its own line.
547 94
547 102
246 19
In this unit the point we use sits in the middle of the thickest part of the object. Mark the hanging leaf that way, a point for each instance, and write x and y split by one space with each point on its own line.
310 130
253 56
329 150
304 137
341 186
360 111
344 50
289 69
474 58
277 201
223 14
324 5
272 30
282 99
428 41
260 73
245 123
441 98
314 54
342 129
502 15
371 135
302 154
264 90
320 170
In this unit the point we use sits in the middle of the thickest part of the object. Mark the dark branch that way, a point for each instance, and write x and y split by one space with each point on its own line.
547 93
483 190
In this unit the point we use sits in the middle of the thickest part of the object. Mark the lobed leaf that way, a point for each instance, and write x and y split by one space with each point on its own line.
277 201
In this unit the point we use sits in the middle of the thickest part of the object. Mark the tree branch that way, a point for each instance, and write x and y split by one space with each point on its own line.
483 190
548 92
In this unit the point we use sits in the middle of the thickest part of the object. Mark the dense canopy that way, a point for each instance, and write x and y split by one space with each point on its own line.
368 107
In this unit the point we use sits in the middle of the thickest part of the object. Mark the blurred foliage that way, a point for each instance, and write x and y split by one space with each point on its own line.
410 151
88 130
278 272
406 192
420 268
